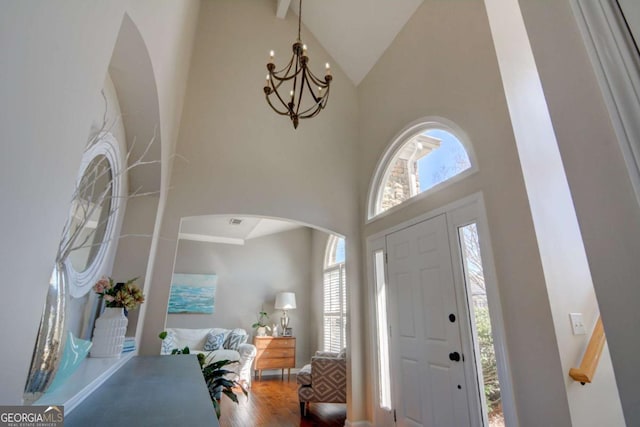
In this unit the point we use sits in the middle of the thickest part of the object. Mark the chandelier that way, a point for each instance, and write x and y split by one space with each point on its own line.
308 94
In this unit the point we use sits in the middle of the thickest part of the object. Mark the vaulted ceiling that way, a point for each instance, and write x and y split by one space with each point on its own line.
354 32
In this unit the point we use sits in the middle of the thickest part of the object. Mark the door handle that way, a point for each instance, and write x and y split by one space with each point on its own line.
455 356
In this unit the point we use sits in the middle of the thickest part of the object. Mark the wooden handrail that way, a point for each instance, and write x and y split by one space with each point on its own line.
592 354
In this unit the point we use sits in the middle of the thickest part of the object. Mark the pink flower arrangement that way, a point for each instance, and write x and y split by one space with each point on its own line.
127 295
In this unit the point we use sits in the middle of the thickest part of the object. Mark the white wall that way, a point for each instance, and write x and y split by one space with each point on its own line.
607 211
241 158
134 247
564 261
249 277
631 10
54 60
443 63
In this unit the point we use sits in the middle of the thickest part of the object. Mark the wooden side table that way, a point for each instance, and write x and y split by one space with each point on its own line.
275 352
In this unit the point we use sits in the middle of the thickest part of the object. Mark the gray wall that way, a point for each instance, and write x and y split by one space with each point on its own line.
249 276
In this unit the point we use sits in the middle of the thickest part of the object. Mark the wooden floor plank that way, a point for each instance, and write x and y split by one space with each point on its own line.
273 402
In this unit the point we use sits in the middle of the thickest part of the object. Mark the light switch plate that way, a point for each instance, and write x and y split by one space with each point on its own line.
577 324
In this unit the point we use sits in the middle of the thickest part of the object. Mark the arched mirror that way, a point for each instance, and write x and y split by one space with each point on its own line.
93 201
81 258
98 195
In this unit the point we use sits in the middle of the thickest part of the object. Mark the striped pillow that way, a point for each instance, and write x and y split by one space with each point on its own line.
235 338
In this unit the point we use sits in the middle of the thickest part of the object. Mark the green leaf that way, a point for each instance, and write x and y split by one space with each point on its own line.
201 359
216 405
163 335
216 373
231 395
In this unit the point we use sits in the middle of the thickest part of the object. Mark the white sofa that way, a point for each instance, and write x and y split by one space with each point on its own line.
232 348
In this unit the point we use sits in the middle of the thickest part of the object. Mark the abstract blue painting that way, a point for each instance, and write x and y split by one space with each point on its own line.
192 293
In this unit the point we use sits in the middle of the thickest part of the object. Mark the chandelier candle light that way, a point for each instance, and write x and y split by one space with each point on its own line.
303 82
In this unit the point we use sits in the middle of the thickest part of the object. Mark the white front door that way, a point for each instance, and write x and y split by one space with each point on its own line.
430 387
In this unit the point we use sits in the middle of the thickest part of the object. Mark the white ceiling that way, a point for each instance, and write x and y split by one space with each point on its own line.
354 32
217 229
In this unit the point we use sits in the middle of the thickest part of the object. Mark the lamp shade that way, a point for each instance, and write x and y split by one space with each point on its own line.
285 301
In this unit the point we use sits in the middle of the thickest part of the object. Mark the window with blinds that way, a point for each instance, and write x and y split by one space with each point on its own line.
335 296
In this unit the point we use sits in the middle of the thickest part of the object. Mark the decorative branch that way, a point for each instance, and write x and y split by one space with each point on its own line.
89 197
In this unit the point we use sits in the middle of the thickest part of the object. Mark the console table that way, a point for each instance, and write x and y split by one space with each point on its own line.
149 391
275 352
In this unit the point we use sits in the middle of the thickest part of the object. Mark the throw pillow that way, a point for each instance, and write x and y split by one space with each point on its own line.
343 353
235 338
214 341
169 343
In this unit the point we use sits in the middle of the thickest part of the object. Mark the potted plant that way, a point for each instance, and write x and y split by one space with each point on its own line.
214 376
217 382
261 326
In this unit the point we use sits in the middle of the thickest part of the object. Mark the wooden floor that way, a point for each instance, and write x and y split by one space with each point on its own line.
273 402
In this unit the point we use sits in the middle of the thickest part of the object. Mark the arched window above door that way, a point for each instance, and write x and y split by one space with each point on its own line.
423 157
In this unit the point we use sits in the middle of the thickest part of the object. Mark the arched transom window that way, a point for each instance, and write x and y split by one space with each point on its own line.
423 157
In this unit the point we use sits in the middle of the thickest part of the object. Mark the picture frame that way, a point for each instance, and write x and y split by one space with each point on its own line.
192 293
288 332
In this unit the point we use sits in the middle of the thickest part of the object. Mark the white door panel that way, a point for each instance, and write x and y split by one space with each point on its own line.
431 390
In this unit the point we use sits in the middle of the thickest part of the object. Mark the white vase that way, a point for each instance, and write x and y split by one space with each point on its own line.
108 335
262 331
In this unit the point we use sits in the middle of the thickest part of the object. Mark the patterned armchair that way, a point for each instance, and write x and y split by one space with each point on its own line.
324 380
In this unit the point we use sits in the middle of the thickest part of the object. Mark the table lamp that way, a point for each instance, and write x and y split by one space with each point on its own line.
285 301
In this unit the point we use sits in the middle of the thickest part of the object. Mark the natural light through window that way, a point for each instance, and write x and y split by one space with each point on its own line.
334 296
483 336
383 338
422 162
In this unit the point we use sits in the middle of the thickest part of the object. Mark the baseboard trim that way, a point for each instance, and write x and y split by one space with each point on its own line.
348 423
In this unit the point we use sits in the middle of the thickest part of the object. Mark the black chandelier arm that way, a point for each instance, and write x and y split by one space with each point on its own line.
273 107
285 78
275 81
318 81
275 87
319 101
312 111
306 115
295 106
301 78
317 107
304 81
284 69
315 97
285 104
